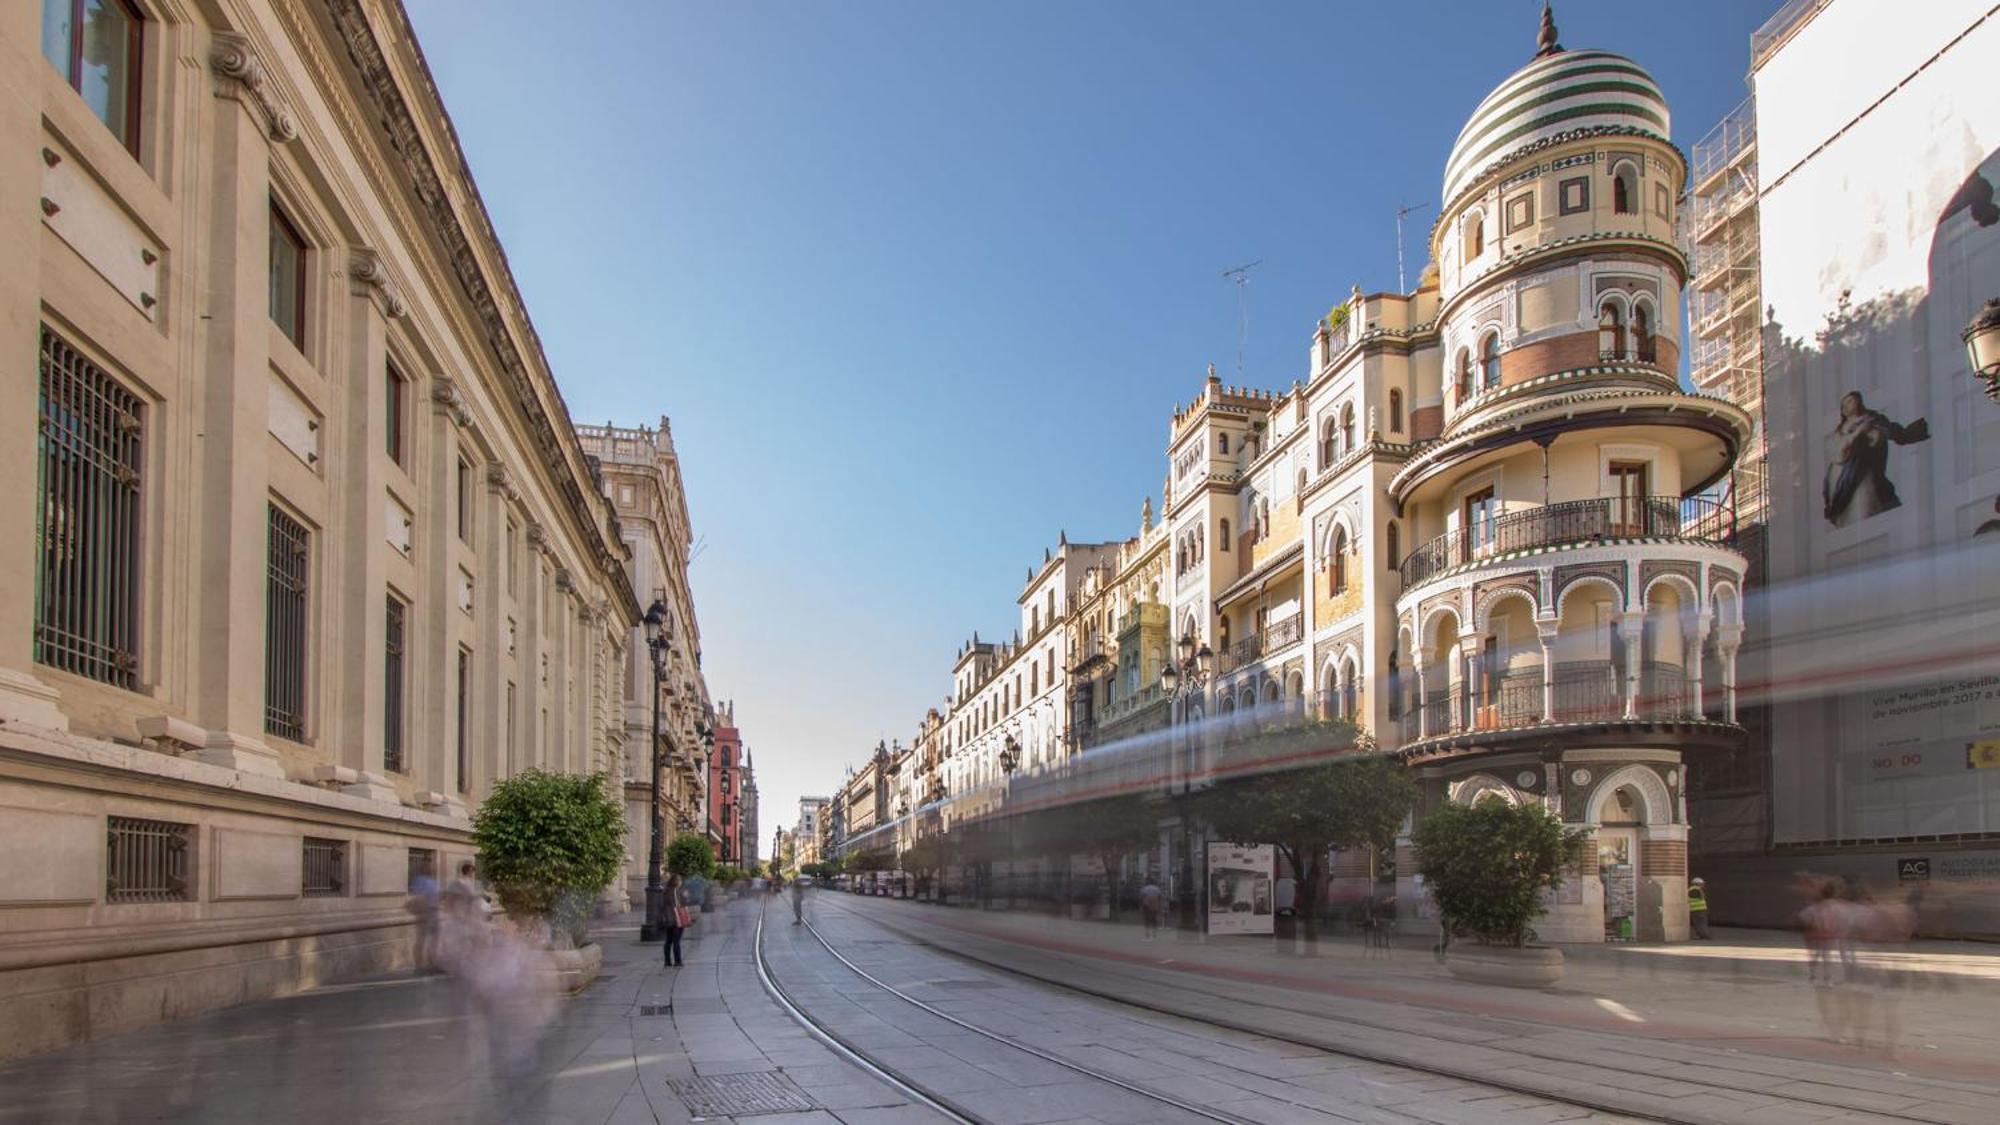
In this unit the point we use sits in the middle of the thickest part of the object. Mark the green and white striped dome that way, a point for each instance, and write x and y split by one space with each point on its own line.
1559 92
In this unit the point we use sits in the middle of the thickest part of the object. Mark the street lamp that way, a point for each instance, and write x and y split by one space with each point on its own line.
1982 346
1182 681
656 890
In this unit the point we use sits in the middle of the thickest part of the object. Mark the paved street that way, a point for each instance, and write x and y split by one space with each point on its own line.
403 1049
1717 1036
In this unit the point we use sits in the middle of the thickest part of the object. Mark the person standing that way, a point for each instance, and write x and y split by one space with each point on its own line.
1698 908
423 905
677 922
1149 907
798 900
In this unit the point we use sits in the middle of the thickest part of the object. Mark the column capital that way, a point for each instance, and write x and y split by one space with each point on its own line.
370 278
240 76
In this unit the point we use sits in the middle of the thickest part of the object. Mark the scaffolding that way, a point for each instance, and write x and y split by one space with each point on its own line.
1725 306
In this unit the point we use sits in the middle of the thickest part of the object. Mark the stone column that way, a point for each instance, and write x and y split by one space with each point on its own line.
1727 645
489 748
1545 632
1631 631
1470 648
1422 655
361 500
1693 647
232 467
24 697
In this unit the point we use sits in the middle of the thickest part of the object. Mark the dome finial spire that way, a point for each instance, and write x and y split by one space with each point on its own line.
1545 42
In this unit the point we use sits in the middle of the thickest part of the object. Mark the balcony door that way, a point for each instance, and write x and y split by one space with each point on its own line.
1630 483
1482 510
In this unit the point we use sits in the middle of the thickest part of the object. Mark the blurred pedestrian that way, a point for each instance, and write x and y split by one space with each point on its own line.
798 899
678 919
1698 908
423 906
1149 907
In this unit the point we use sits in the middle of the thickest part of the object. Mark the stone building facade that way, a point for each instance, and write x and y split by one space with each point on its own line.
306 552
1485 525
641 477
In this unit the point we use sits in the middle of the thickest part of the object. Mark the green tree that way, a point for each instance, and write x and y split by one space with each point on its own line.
1487 865
689 855
1354 802
548 843
1106 829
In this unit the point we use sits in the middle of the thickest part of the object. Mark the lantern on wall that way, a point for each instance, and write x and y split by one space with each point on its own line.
1982 346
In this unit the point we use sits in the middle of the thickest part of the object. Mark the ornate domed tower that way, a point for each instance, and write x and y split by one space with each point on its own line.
1572 610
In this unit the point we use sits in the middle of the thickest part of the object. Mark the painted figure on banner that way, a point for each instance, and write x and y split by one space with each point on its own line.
1857 479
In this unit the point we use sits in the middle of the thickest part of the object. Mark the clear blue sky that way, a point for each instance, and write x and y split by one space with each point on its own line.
918 283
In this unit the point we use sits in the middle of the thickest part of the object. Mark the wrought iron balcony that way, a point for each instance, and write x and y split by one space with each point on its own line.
1577 692
1601 519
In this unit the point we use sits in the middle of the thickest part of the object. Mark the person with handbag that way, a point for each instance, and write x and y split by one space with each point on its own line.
679 918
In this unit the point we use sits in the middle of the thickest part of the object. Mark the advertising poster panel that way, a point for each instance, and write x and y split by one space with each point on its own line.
1880 243
1241 889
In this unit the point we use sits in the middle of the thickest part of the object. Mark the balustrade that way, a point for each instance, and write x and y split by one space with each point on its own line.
1573 521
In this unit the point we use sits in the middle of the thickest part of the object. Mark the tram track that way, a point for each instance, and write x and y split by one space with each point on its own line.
1385 1058
915 1089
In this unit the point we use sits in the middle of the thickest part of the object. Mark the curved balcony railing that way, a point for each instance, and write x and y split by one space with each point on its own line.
1578 692
1573 521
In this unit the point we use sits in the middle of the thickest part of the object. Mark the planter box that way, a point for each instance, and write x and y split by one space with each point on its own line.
1536 966
575 968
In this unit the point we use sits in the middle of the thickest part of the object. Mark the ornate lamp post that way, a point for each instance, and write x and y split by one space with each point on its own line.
1982 346
1183 680
657 644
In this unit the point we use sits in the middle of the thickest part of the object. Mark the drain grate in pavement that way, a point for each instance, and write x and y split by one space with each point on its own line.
656 1009
740 1095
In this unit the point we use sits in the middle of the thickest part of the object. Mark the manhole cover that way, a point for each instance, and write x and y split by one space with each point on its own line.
656 1009
740 1095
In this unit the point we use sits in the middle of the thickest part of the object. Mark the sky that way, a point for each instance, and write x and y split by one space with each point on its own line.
919 284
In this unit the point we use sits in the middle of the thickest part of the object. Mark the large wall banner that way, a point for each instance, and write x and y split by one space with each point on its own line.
1240 888
1880 243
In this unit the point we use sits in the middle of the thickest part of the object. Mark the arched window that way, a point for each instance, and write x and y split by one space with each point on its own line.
1395 411
1611 331
1464 374
1642 333
1225 535
1222 443
1489 362
1328 453
1391 547
1475 235
1349 690
1395 687
1625 189
1336 563
1347 429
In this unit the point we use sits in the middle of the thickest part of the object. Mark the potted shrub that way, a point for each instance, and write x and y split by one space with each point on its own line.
1486 866
548 843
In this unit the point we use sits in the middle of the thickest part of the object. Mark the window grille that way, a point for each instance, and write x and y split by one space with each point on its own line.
89 456
285 627
423 865
147 861
325 867
392 686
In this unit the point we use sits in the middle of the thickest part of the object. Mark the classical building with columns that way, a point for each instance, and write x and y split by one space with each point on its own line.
305 552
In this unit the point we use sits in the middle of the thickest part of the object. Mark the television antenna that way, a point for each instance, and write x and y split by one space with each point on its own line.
1241 276
1403 212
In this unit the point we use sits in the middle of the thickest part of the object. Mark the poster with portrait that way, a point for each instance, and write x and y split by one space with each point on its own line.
1880 242
1241 888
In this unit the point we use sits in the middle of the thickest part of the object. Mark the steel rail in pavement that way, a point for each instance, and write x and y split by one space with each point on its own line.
1036 1052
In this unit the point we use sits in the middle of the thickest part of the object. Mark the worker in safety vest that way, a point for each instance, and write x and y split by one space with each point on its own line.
1698 908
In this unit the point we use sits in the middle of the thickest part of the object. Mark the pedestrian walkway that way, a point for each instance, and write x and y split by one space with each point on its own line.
1736 1044
644 1044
